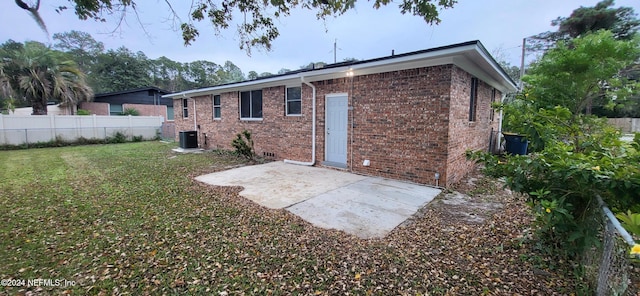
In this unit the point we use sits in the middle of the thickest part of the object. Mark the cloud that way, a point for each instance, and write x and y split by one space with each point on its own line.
361 33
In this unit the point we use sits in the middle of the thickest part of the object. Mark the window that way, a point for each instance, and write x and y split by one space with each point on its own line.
251 104
294 101
493 100
185 108
216 107
115 109
169 112
473 101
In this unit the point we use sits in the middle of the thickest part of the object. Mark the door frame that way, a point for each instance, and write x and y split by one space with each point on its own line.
326 138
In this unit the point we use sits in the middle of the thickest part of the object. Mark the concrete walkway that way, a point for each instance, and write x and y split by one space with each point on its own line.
367 207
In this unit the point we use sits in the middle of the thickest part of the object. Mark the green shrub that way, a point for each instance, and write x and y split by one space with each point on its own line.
130 111
579 160
630 221
83 112
137 138
116 138
244 145
575 157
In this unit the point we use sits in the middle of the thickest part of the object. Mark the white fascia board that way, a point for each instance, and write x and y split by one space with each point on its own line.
478 64
240 86
497 69
470 57
428 59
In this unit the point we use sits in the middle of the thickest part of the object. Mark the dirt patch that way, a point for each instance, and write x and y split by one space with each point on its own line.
470 201
462 207
474 199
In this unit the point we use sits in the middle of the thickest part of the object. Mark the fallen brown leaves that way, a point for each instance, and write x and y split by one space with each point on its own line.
175 235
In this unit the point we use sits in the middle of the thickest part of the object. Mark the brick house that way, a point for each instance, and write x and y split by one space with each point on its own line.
409 116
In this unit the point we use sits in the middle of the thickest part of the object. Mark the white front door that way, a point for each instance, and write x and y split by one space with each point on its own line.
336 130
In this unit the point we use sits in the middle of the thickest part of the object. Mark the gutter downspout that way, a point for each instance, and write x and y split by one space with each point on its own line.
313 129
195 118
499 135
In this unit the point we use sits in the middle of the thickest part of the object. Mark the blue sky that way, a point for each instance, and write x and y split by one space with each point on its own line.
362 33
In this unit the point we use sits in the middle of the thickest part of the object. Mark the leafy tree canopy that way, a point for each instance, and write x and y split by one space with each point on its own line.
257 26
621 21
77 42
588 71
121 69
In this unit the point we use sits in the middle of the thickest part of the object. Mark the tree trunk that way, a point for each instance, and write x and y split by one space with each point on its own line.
39 107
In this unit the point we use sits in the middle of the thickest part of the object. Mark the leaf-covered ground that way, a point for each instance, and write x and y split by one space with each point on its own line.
129 219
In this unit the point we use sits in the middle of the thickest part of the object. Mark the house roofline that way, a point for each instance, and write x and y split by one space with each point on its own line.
472 56
131 91
496 64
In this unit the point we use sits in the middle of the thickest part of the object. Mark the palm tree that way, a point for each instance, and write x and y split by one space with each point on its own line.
5 85
37 74
6 91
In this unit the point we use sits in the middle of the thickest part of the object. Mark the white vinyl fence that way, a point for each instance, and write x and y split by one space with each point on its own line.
19 130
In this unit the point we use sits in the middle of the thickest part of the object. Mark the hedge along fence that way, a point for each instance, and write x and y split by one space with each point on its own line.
20 130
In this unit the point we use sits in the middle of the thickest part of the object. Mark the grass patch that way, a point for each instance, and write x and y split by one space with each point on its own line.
129 219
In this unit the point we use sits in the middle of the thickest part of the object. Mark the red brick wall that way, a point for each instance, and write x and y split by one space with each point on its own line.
463 134
95 107
148 110
281 136
400 122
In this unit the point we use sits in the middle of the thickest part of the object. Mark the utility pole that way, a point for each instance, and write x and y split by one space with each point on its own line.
335 50
524 45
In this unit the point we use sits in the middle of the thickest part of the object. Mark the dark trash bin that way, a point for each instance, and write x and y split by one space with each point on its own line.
188 139
516 144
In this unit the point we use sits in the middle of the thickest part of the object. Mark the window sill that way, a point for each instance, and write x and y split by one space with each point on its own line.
217 119
294 115
250 119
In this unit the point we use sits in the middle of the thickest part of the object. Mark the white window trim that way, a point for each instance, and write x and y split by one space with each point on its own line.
213 103
286 101
240 106
473 100
185 108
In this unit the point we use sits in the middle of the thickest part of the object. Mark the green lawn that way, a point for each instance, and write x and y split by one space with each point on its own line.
129 219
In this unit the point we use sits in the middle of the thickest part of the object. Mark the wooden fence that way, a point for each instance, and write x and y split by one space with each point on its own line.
627 125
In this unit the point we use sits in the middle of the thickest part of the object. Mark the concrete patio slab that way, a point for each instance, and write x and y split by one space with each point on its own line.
367 207
188 150
279 185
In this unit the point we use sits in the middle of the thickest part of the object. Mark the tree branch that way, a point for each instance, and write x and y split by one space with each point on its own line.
34 13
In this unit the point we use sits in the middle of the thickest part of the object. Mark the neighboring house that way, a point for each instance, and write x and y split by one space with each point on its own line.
409 116
148 101
52 109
